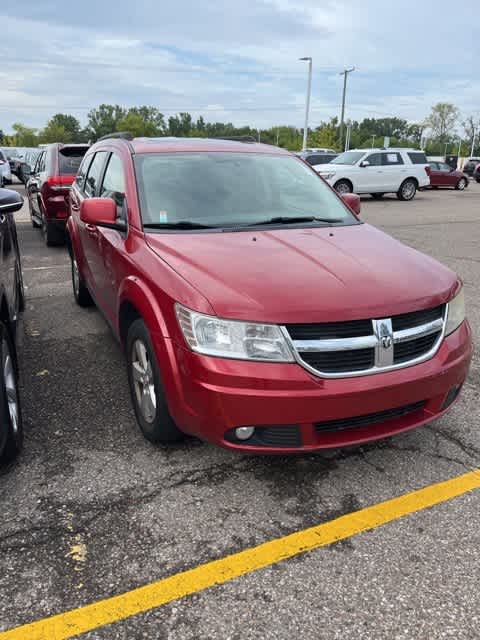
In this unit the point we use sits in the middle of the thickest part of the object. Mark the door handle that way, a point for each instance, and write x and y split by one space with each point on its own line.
92 229
3 218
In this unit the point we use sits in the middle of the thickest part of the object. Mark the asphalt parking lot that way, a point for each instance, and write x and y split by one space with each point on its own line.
92 510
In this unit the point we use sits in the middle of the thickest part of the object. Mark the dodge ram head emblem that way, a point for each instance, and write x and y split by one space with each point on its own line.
386 342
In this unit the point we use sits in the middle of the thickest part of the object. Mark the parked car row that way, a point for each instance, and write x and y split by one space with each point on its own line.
17 162
255 309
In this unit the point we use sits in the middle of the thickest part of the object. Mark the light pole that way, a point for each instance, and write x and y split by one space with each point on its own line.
344 73
473 142
373 141
307 103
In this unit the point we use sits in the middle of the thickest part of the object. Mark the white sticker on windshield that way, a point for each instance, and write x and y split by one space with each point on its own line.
163 216
392 157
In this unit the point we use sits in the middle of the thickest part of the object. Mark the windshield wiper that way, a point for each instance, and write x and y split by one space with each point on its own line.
181 224
293 220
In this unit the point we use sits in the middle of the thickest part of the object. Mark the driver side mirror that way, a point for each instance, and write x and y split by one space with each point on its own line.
364 163
352 200
101 212
10 201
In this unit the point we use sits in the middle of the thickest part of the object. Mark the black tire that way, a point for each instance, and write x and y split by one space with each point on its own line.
155 422
377 196
407 190
477 179
461 185
434 186
20 288
343 186
53 236
80 290
11 430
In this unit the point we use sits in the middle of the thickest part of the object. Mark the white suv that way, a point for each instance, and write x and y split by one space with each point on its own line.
378 171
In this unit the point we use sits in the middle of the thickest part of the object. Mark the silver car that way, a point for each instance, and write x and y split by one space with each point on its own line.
5 172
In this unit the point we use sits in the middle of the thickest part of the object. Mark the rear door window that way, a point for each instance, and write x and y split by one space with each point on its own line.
417 157
94 174
391 158
70 159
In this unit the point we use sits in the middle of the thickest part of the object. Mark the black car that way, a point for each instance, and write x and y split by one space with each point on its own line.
27 165
12 302
470 166
317 157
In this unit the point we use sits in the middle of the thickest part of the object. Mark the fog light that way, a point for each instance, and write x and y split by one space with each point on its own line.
244 433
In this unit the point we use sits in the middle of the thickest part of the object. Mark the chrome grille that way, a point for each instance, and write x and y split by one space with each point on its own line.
362 347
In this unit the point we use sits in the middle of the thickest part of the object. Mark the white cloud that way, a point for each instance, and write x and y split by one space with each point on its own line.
191 55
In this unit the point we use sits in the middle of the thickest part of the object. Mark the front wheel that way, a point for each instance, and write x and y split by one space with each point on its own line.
11 427
343 186
461 184
146 388
407 190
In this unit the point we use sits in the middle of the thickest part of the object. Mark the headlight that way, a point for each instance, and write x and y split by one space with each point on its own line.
213 336
327 176
456 313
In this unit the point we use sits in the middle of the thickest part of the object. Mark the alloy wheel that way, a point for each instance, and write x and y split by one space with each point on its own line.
143 381
10 385
75 277
408 190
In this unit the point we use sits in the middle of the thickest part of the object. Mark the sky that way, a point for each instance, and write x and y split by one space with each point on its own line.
237 61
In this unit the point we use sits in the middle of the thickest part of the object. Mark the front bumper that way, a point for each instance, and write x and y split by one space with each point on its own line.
209 397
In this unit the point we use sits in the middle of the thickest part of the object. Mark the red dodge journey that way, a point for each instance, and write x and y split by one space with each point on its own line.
255 308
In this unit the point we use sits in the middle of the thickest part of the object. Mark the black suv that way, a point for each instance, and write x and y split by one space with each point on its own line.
12 302
470 166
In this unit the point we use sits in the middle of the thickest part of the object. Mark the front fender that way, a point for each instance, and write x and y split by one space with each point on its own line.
136 292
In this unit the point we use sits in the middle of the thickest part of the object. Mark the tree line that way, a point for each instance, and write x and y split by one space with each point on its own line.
442 132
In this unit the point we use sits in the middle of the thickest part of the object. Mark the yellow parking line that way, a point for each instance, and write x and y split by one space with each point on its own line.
92 616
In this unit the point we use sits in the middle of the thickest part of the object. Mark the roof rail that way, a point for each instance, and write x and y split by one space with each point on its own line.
124 135
249 139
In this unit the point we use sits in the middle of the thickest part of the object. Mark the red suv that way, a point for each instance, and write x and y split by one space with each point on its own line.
255 309
48 187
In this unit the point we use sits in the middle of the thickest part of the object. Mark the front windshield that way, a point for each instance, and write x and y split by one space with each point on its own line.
232 189
349 157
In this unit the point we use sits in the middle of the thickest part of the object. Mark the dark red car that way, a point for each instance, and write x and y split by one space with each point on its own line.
442 175
255 309
48 188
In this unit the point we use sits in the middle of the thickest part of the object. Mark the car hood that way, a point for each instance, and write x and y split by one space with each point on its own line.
306 275
331 167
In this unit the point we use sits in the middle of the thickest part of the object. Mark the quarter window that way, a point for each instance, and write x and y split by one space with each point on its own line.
94 174
417 157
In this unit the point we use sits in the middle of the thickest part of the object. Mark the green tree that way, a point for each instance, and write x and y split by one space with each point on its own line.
180 125
135 124
23 136
2 136
104 120
61 128
442 120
